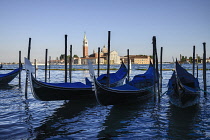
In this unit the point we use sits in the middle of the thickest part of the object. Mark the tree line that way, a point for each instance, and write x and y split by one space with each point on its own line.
184 59
62 56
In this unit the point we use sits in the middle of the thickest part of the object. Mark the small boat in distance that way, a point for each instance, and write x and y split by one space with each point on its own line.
183 88
65 91
140 88
8 77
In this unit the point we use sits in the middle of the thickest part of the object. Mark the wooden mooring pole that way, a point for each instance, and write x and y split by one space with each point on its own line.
197 65
154 57
46 51
108 60
35 66
193 60
128 64
29 48
98 61
65 58
204 67
70 64
157 72
161 67
19 67
49 65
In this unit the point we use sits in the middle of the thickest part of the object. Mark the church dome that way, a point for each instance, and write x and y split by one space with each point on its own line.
104 49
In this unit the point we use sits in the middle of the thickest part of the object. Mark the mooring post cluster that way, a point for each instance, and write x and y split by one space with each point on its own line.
157 72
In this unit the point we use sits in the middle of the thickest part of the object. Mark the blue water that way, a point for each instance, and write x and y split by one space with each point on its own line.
23 117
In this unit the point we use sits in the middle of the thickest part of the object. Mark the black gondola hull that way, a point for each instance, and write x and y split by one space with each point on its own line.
68 91
108 96
183 88
184 98
45 92
4 80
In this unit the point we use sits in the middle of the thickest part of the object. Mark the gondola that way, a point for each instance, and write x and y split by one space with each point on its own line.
1 66
140 88
183 88
61 91
8 77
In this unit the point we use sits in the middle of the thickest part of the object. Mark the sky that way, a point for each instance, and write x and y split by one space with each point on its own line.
178 25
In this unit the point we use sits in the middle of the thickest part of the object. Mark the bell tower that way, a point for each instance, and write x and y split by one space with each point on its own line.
85 47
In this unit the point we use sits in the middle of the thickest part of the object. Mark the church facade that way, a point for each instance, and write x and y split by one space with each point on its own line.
114 57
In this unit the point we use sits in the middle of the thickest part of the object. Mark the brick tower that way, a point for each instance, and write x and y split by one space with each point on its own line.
85 47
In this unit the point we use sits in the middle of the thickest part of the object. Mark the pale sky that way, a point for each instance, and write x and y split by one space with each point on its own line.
178 25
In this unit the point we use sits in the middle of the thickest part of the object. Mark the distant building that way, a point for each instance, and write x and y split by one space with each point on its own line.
84 61
104 50
114 58
144 59
208 60
85 47
137 59
77 60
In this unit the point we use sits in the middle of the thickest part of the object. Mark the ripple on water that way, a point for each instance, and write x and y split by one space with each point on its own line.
29 118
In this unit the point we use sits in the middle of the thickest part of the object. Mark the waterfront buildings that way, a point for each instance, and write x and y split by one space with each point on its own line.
114 56
137 59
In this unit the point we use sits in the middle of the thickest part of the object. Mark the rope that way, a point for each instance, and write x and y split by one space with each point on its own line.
148 88
163 94
204 91
155 92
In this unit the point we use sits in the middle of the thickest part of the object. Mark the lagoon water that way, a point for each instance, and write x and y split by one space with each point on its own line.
24 117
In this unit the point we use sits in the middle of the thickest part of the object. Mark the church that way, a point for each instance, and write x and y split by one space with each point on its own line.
114 57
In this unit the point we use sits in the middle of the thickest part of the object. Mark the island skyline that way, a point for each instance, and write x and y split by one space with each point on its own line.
177 25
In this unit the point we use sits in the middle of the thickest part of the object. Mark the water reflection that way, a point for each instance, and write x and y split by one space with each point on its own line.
28 118
183 122
120 118
60 122
8 87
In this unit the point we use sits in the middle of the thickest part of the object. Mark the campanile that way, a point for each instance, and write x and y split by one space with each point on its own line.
85 47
